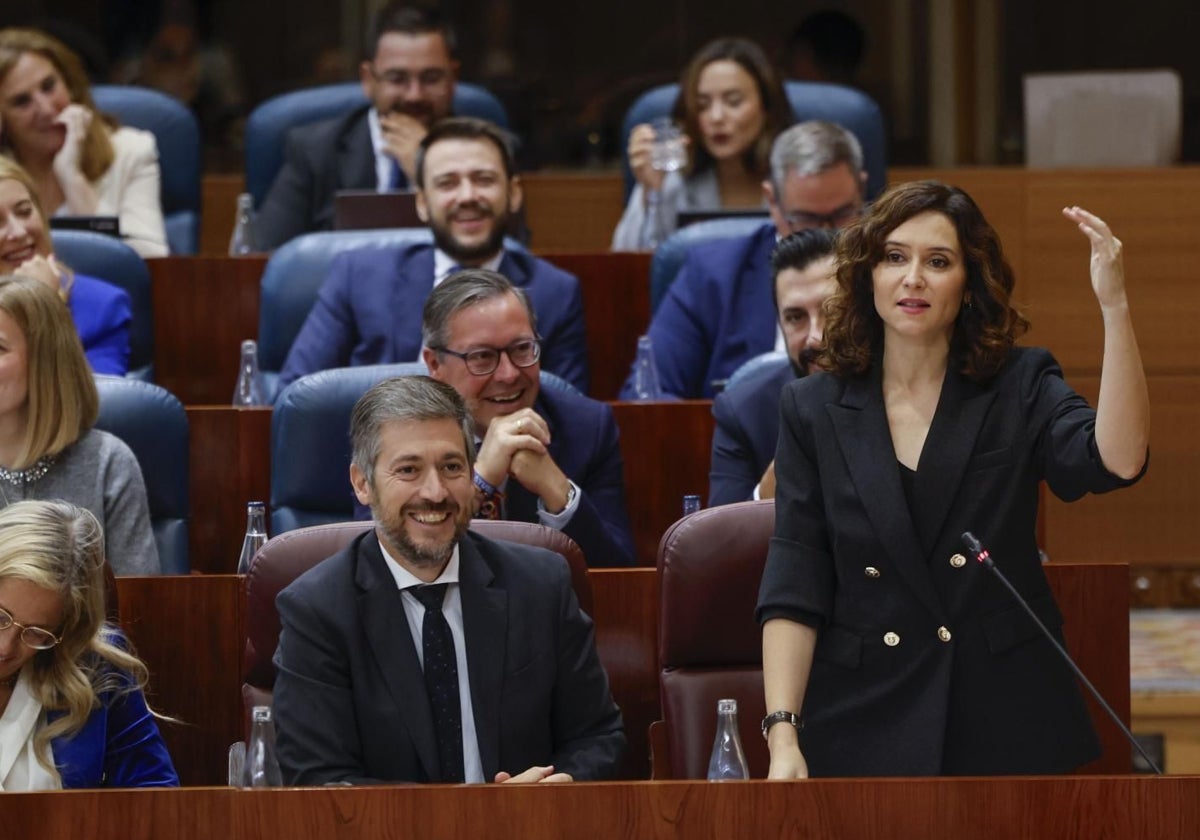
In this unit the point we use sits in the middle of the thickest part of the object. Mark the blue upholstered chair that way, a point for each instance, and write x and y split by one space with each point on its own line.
178 134
108 258
294 275
668 257
154 425
269 123
764 361
849 108
312 417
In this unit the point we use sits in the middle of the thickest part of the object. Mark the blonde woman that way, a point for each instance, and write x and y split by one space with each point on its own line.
48 448
72 713
82 163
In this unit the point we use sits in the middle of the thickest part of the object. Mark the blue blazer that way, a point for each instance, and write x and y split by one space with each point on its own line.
368 312
350 698
585 444
747 427
102 314
119 746
718 313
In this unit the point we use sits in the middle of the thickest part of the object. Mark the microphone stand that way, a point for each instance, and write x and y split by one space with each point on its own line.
982 555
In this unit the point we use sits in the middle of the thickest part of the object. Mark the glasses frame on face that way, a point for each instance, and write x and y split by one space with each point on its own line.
798 220
483 361
7 621
431 78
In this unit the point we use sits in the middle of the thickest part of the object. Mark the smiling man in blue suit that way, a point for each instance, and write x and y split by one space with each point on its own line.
369 308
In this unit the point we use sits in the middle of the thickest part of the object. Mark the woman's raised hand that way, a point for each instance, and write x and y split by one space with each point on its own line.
77 119
1107 265
640 152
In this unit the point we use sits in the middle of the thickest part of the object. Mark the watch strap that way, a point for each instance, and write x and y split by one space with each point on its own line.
781 717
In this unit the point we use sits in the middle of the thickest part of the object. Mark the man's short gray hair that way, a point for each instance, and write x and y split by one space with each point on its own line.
454 294
404 398
813 147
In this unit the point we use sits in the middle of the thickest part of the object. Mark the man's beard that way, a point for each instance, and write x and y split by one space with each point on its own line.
419 556
800 366
463 254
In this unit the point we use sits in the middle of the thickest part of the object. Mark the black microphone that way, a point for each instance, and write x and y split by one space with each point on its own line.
983 556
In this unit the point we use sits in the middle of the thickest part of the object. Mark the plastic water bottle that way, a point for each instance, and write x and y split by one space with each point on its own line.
261 767
691 504
652 233
256 535
728 760
243 241
645 372
249 389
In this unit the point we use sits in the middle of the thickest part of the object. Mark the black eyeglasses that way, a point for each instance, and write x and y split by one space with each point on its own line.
798 220
485 360
34 637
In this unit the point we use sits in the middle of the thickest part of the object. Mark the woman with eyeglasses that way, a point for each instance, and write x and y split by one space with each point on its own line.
72 712
48 406
887 651
82 163
731 105
101 311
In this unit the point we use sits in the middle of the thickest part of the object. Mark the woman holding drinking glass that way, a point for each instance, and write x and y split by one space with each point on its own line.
885 650
72 713
731 106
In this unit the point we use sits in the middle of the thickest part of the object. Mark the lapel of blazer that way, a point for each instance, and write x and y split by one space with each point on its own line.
485 627
513 268
960 413
356 156
860 422
392 645
411 287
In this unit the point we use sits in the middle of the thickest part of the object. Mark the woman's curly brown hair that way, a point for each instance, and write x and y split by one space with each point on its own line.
987 326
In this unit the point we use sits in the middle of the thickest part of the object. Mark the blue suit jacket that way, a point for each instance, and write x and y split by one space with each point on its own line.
350 698
119 746
747 427
585 444
717 314
368 312
102 314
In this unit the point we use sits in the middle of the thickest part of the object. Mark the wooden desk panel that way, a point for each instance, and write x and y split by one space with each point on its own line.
667 447
573 211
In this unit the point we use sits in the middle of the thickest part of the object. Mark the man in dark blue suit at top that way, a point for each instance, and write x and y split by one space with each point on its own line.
408 75
719 313
423 652
545 455
369 308
747 414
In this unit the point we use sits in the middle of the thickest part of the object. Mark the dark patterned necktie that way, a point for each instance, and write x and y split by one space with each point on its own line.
396 179
441 681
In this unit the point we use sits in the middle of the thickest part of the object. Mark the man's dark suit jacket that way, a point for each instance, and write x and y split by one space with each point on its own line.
368 312
717 314
584 442
319 159
925 665
350 700
747 426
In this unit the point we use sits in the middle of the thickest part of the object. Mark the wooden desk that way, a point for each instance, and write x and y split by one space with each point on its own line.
190 631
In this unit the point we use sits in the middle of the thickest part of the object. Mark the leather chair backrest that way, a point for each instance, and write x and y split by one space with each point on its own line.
269 123
153 423
178 135
312 416
669 256
765 361
287 556
109 259
852 109
710 647
293 278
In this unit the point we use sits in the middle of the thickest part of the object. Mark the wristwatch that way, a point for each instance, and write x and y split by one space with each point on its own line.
781 717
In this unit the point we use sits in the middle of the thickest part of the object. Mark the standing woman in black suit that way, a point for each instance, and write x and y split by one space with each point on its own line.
884 651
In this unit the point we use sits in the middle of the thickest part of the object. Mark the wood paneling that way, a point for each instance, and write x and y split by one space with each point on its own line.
218 201
573 211
190 633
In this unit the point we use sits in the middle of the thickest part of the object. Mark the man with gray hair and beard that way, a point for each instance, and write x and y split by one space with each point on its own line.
423 652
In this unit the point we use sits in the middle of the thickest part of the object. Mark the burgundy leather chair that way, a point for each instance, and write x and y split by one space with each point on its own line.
287 556
709 645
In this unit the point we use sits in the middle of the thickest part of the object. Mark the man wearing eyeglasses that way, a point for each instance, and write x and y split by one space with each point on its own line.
369 307
719 311
408 77
546 454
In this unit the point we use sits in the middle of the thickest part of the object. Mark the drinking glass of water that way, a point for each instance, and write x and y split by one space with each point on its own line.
669 154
